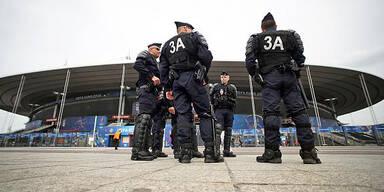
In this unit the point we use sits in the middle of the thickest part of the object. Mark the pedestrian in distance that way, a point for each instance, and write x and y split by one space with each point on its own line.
116 138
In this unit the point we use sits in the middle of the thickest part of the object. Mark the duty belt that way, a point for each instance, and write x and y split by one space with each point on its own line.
144 87
148 88
282 68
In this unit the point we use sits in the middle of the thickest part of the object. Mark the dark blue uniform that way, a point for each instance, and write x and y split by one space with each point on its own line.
223 99
147 66
175 144
159 121
274 51
180 54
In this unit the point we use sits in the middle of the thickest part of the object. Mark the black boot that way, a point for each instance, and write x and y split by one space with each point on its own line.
141 156
159 153
176 153
186 153
139 150
175 143
197 154
270 156
227 143
211 154
195 150
309 156
148 143
228 153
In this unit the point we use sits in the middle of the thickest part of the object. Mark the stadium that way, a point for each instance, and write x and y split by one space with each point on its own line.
84 106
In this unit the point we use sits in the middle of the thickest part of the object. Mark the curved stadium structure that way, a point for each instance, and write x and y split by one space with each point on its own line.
109 91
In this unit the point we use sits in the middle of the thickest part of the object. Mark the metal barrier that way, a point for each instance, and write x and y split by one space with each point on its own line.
73 139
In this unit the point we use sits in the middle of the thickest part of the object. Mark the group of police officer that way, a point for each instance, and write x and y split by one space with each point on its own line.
177 85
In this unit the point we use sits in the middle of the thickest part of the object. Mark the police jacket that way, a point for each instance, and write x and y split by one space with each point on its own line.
147 66
271 49
223 96
181 53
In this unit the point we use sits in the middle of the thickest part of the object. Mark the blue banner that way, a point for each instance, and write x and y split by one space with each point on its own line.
125 130
33 124
379 128
246 122
80 124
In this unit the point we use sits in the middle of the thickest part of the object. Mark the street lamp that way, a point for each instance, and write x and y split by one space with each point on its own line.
33 105
57 93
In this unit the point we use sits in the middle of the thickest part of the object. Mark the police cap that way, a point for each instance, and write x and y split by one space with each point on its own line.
180 24
268 21
267 17
224 73
154 44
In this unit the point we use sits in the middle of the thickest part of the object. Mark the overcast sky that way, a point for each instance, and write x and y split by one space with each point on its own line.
43 34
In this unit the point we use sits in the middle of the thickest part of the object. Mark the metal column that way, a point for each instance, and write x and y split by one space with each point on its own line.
253 110
316 109
369 103
56 105
62 104
16 103
119 113
94 131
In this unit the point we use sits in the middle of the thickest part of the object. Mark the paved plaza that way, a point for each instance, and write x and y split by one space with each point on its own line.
104 169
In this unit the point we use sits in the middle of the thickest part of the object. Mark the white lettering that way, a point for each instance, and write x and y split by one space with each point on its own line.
179 44
268 39
173 49
278 43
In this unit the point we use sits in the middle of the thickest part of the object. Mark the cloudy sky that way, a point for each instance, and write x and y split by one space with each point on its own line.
45 34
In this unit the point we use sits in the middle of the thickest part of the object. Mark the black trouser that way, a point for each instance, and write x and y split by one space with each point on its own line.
284 85
158 127
225 118
187 90
117 142
148 106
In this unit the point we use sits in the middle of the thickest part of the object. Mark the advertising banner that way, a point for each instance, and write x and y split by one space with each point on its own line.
33 124
79 124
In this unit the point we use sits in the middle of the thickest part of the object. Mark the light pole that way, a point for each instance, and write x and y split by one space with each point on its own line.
56 104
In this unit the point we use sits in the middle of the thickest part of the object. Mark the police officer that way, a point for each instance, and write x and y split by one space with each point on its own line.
187 58
147 90
268 60
223 99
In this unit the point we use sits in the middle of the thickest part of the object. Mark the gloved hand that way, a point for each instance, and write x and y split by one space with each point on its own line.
297 72
259 79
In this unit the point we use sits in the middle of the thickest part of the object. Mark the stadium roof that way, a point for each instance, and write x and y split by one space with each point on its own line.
329 82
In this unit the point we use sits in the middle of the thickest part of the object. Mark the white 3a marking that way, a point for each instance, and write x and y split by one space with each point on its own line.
277 43
179 44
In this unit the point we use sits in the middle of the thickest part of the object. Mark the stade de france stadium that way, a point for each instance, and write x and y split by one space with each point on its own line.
65 106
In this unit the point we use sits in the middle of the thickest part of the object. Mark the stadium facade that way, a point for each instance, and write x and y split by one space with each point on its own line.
69 103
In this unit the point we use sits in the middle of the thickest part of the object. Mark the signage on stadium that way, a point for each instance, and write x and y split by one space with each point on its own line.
51 120
121 116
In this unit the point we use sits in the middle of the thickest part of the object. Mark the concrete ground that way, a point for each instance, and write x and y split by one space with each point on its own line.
104 169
